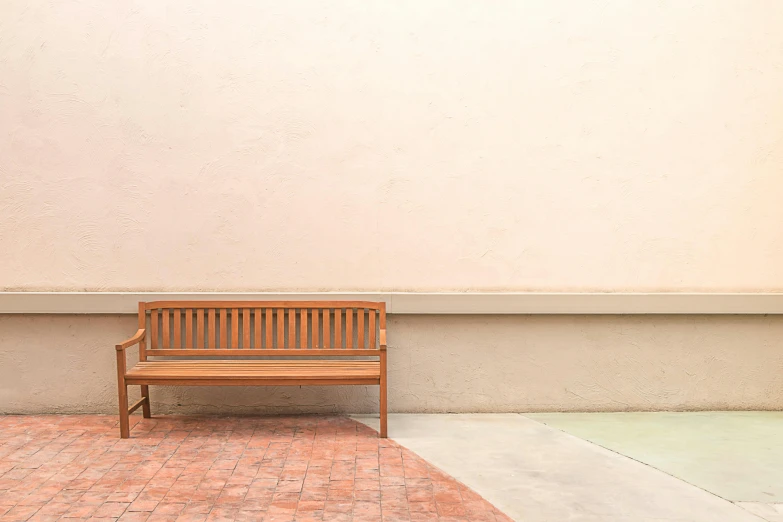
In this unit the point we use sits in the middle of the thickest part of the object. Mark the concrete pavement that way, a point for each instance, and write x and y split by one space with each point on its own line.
535 472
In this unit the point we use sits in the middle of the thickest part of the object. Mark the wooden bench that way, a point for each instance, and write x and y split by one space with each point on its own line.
314 337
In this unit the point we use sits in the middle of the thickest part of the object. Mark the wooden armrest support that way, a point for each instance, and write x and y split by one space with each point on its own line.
383 338
137 338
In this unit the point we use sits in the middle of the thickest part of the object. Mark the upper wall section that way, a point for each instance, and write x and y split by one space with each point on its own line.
419 146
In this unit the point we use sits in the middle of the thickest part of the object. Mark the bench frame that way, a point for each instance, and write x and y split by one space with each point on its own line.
170 328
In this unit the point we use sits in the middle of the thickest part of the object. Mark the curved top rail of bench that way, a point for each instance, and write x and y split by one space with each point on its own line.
154 305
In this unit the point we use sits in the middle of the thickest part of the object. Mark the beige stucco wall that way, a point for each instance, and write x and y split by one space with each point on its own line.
519 145
65 363
406 145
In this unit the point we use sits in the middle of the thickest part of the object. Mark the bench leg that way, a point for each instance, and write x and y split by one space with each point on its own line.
383 394
123 396
124 416
145 408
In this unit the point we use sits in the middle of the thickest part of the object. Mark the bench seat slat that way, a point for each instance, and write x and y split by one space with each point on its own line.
283 352
294 370
263 381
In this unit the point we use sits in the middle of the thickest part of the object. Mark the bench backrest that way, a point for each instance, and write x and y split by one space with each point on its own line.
261 328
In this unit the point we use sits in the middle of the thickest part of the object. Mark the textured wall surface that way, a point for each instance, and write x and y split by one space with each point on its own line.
439 364
339 145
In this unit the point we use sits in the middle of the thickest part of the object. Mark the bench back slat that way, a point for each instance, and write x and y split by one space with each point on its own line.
200 327
223 328
189 327
246 313
338 328
313 329
303 328
153 330
142 325
235 327
291 340
177 320
262 328
360 327
349 328
327 329
371 325
212 328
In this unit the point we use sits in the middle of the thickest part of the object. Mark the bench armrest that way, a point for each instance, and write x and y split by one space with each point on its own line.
383 339
137 338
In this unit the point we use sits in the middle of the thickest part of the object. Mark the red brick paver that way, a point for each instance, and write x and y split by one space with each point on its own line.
241 468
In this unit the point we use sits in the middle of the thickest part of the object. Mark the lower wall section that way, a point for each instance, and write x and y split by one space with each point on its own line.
449 363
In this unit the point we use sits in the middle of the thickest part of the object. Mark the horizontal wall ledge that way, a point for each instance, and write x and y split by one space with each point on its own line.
419 303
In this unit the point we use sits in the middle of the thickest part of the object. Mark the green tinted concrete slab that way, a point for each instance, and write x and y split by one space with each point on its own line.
735 455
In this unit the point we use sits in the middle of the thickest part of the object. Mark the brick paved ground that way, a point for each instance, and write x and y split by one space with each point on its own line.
206 468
